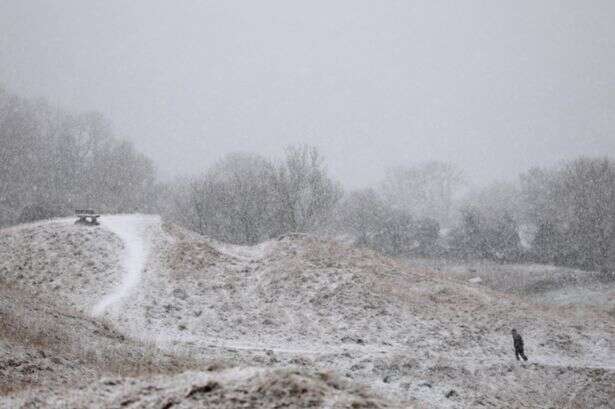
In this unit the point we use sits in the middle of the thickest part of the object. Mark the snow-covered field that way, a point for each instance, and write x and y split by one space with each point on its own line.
298 319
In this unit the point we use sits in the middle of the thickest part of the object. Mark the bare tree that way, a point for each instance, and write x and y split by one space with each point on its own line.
361 214
573 207
588 200
425 191
51 162
247 198
304 193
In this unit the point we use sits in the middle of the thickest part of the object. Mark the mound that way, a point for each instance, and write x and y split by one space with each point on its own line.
236 388
79 264
313 305
43 344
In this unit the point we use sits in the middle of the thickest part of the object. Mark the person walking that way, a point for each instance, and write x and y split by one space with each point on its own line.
518 344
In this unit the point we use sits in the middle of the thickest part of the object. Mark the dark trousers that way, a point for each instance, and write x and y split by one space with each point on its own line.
519 353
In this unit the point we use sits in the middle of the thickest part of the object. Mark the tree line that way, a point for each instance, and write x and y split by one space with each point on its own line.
246 198
52 162
563 215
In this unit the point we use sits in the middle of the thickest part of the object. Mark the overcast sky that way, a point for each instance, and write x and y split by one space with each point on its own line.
494 86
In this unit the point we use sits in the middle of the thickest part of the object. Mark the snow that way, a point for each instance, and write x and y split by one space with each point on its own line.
250 253
301 301
130 229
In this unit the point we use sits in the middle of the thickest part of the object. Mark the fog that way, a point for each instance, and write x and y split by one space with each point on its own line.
328 204
494 88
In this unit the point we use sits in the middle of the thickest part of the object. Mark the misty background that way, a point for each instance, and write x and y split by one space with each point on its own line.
495 88
439 132
307 204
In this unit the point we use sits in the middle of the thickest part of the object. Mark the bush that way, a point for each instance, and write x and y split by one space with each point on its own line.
37 212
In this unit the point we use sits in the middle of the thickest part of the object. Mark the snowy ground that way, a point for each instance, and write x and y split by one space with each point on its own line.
130 229
404 332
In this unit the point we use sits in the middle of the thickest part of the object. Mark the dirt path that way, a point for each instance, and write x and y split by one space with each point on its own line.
131 230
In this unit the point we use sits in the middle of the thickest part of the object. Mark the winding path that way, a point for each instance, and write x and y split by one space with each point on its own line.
131 230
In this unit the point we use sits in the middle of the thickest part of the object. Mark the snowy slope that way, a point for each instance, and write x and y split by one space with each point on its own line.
129 229
307 303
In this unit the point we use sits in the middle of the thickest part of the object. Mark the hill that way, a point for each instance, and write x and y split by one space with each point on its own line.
298 310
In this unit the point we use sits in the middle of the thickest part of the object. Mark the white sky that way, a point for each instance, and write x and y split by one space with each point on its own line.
493 86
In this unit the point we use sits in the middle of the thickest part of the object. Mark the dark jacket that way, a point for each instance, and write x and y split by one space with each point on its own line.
518 342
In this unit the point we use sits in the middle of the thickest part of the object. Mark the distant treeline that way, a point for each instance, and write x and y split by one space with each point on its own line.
52 162
563 215
247 198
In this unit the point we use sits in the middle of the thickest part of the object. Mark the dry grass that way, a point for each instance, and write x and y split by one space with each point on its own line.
246 388
73 346
76 263
377 321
